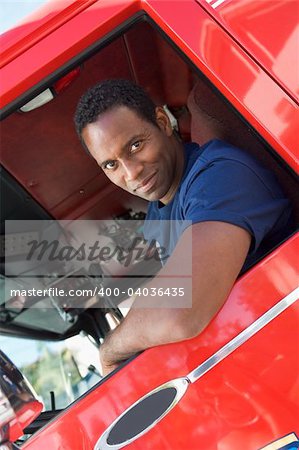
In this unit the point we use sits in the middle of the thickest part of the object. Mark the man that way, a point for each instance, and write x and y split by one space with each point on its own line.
234 205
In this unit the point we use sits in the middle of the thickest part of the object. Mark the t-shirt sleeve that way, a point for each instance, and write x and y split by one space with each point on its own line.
230 191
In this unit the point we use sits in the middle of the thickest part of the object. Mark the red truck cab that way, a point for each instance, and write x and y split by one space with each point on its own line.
242 56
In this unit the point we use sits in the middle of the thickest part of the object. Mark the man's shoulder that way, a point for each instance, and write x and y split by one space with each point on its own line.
219 163
218 150
217 155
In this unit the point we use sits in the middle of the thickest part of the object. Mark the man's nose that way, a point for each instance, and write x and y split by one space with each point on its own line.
132 170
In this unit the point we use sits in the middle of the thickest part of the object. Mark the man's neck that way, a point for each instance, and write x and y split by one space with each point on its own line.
178 173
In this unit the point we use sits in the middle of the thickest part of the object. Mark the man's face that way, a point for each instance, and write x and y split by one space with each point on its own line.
136 155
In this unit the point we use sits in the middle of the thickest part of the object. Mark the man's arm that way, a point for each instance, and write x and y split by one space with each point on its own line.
219 250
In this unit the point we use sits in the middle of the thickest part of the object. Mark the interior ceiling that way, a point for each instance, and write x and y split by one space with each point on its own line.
41 148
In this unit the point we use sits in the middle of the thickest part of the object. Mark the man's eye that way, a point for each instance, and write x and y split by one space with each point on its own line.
135 146
109 165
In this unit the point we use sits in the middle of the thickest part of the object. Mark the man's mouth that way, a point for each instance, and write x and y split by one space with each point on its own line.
147 183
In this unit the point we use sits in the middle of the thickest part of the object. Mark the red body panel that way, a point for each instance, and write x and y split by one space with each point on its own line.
252 25
26 414
245 402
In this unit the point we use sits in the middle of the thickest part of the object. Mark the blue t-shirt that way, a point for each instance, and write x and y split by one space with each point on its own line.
222 183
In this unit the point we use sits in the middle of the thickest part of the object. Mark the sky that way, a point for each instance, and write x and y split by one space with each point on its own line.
20 351
25 351
12 11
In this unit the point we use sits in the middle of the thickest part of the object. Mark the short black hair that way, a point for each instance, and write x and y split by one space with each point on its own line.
109 94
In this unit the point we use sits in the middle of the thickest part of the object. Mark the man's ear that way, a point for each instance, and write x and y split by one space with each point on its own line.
163 121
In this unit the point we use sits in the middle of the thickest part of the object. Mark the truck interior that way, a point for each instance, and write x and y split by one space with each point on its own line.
46 175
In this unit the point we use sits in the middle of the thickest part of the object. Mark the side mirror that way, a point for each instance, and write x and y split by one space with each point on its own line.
18 405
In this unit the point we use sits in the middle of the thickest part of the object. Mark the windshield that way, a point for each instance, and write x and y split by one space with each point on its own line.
66 368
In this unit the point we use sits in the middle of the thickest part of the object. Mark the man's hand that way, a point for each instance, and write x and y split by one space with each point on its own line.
218 253
107 365
110 358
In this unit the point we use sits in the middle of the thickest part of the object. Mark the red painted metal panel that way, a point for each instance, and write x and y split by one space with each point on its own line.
268 30
247 401
25 415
